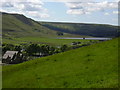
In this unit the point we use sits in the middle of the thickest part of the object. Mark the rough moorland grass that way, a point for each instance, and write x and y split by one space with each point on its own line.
94 66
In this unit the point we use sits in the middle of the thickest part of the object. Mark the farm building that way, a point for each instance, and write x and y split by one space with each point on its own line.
12 57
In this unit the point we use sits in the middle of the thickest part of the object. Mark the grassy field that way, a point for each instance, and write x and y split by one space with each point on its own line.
94 66
43 40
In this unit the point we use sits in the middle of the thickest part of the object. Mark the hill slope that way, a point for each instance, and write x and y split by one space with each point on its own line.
94 66
16 25
95 30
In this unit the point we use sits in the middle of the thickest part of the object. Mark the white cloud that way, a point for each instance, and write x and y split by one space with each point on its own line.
67 0
89 7
35 8
29 7
79 0
116 0
77 12
115 12
35 14
33 1
106 13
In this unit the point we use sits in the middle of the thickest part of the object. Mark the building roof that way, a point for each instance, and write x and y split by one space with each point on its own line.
10 54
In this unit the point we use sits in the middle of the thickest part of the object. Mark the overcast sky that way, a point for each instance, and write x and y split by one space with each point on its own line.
82 11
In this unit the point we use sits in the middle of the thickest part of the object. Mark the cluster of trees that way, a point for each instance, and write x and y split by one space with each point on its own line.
44 50
59 33
10 47
34 49
76 43
41 49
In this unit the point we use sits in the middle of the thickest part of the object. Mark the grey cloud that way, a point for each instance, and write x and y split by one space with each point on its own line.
89 7
76 7
8 4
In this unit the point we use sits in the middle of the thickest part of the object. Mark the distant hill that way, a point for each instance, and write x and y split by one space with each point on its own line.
18 25
95 30
94 66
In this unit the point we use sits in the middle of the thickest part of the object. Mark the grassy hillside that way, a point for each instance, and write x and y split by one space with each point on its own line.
94 66
17 28
95 30
15 25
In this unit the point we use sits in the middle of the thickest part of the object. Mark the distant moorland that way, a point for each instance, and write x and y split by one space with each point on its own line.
16 25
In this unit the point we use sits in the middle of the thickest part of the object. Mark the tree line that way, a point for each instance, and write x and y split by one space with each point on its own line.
33 50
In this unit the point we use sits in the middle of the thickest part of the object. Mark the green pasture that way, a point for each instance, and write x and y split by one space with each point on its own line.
94 66
43 40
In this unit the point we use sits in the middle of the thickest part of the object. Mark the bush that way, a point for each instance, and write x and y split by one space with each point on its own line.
59 33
